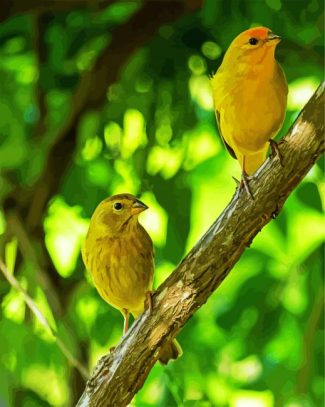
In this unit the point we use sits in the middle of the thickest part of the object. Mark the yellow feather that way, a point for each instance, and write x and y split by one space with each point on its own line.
119 254
250 96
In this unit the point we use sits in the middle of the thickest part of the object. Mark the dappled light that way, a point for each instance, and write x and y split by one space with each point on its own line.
148 128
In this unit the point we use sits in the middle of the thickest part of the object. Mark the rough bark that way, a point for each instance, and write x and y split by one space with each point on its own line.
119 375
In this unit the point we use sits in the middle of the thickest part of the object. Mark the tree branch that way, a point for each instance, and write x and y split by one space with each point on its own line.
119 375
11 8
42 319
91 94
92 89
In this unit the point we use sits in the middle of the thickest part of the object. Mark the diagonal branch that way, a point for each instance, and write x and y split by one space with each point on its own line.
119 375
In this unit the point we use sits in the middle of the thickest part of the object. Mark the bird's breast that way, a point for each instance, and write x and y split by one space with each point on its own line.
252 112
122 271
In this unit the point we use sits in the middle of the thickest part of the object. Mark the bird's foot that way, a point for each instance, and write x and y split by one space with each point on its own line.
111 349
244 183
236 180
276 212
275 151
148 302
126 314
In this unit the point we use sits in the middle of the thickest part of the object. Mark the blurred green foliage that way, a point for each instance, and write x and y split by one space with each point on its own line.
258 342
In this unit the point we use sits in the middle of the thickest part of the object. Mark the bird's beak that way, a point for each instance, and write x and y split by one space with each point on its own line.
138 207
273 38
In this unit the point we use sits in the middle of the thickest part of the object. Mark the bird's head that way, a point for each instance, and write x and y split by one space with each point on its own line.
117 212
253 45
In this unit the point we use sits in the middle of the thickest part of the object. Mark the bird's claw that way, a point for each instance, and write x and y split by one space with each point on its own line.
276 212
236 180
245 184
275 151
148 302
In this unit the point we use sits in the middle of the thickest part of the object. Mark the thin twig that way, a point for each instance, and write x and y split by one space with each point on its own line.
43 321
16 228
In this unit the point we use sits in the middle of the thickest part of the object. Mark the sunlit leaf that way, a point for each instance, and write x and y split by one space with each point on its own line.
246 398
65 229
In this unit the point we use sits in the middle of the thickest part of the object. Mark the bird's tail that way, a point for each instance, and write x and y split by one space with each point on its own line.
170 351
253 161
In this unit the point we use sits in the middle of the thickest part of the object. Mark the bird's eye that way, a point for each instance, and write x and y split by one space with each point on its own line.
118 206
253 41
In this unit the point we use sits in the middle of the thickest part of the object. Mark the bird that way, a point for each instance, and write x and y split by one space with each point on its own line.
119 254
250 96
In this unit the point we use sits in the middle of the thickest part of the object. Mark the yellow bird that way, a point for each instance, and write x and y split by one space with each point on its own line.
119 254
250 96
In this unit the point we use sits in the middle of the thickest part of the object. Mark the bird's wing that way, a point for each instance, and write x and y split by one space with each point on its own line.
218 82
230 150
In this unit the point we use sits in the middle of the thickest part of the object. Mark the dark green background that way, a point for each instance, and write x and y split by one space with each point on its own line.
75 129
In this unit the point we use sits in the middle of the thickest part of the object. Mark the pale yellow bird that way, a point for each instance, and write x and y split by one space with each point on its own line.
119 254
250 97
